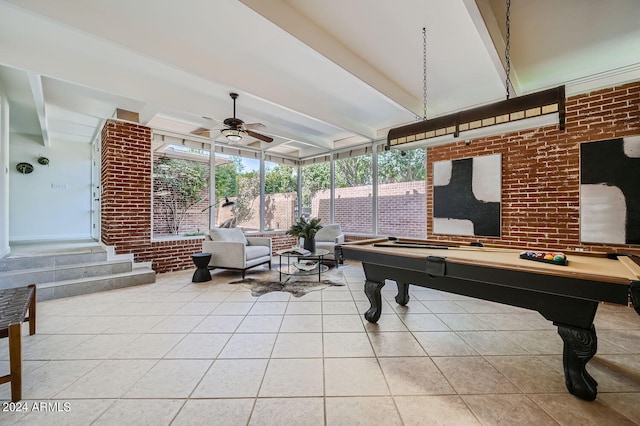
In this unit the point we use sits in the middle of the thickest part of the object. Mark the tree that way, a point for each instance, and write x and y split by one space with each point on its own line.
178 185
402 166
226 181
280 179
315 177
353 171
248 193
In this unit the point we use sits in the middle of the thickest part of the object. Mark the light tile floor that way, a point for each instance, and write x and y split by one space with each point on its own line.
180 353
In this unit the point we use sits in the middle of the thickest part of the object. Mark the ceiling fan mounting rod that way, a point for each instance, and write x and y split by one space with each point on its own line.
234 96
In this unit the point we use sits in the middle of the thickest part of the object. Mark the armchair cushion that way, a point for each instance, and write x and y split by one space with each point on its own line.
328 238
232 235
330 233
253 252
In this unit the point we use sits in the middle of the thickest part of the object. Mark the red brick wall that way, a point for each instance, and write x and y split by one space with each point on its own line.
540 170
401 209
279 210
278 213
126 186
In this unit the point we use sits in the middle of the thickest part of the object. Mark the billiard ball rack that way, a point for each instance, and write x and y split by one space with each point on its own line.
557 258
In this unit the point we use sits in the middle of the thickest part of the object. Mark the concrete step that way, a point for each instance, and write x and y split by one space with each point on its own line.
62 272
76 287
17 262
71 268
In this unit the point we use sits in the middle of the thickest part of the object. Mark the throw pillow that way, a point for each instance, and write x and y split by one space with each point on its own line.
234 235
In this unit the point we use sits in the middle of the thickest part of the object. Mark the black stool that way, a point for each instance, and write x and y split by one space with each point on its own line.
201 260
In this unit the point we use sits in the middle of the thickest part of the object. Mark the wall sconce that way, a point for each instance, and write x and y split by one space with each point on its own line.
24 168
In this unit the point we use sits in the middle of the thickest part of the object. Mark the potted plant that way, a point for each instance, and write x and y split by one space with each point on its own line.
306 229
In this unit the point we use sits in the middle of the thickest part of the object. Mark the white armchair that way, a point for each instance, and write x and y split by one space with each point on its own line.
231 249
329 237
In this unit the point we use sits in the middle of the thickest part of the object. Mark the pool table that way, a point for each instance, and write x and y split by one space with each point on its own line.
567 294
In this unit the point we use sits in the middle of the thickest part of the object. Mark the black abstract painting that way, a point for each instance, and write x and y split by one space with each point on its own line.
610 191
467 196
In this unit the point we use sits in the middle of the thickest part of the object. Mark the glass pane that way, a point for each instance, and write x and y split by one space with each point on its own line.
354 194
237 192
180 192
402 195
281 196
316 182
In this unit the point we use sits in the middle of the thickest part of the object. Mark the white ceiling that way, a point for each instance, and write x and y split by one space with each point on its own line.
319 75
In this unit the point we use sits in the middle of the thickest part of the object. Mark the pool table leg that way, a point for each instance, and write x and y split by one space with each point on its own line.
402 298
580 346
372 290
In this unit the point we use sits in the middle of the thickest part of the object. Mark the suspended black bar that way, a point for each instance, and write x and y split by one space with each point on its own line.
534 104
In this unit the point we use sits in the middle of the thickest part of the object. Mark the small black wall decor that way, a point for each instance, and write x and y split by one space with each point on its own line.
467 196
610 191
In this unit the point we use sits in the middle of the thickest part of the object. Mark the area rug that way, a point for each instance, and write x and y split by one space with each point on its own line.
298 286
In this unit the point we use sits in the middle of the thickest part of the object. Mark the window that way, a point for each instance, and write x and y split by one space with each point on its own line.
181 197
281 196
180 192
316 196
402 198
238 180
354 194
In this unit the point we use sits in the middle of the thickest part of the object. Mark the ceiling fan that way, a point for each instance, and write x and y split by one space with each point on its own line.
236 128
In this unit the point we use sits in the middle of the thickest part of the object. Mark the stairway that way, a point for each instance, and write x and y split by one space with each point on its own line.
65 269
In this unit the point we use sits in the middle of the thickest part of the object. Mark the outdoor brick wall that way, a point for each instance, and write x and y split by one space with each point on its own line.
401 209
195 220
279 210
540 170
278 215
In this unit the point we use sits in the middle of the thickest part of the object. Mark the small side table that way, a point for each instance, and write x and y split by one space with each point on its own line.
202 274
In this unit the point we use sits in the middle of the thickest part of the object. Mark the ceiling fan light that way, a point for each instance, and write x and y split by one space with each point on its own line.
233 135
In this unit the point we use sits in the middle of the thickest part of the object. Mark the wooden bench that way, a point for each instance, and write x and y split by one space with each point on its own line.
14 305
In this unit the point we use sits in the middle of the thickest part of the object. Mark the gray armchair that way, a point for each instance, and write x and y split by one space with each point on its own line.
328 238
231 249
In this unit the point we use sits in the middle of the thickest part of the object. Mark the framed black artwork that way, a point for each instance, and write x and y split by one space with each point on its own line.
610 191
467 196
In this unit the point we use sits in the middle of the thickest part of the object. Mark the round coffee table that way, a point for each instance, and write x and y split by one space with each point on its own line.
290 269
202 274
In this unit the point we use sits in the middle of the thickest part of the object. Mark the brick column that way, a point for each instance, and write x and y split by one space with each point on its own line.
126 186
127 199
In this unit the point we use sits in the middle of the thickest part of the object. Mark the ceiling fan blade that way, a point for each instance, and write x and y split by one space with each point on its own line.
202 131
255 126
259 136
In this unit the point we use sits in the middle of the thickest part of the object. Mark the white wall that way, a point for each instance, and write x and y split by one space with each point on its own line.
53 202
4 175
